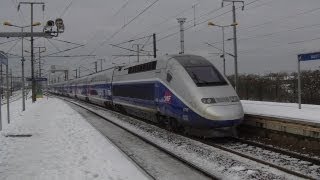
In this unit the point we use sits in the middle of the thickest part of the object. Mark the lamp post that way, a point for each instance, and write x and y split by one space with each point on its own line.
22 58
223 49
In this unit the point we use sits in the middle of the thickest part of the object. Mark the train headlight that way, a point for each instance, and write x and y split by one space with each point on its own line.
208 100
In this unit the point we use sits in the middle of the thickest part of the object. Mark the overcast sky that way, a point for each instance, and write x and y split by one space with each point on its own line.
270 32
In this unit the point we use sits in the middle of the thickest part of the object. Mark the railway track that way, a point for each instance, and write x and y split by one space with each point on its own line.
314 160
199 170
245 149
14 98
289 162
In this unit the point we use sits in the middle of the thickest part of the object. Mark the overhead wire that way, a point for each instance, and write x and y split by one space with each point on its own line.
121 8
272 33
280 19
144 44
206 20
192 26
20 14
279 44
65 50
303 41
68 42
267 34
56 47
164 21
131 40
9 41
276 32
199 18
96 33
122 28
66 8
125 25
12 46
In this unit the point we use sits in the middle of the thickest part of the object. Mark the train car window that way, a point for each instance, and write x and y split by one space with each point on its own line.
138 91
93 92
169 77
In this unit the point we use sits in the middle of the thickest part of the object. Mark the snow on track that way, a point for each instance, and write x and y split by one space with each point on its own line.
221 164
63 145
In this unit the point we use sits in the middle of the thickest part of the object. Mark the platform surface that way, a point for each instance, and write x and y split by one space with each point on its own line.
62 145
289 111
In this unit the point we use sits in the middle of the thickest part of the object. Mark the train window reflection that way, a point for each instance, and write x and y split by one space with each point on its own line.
205 76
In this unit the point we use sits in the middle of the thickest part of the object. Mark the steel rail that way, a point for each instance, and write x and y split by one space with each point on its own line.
315 161
217 145
191 165
210 143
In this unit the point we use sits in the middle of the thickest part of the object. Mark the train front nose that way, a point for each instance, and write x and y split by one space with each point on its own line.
225 112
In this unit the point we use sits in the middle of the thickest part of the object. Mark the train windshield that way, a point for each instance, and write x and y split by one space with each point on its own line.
205 76
202 72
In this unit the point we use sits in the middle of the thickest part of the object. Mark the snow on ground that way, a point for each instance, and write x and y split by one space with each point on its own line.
310 113
220 163
63 145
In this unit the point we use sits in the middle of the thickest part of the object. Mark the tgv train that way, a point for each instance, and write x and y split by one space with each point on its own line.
183 92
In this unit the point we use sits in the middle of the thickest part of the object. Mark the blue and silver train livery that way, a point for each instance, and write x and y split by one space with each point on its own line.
183 92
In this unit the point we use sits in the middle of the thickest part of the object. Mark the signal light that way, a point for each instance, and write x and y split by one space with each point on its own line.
50 23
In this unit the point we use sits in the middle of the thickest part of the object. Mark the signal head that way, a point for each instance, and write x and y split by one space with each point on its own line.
50 23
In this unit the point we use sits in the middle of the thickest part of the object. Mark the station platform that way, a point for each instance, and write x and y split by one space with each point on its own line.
283 117
52 141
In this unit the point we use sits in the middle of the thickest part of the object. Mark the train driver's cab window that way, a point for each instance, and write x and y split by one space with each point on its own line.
201 71
205 76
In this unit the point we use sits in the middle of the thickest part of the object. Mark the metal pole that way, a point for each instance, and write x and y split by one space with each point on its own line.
154 46
22 74
32 57
8 106
96 66
299 85
138 52
223 50
235 48
66 75
11 82
1 82
181 21
32 60
39 64
1 101
79 73
101 64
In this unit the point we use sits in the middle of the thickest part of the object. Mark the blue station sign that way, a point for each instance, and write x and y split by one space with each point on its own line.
309 56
